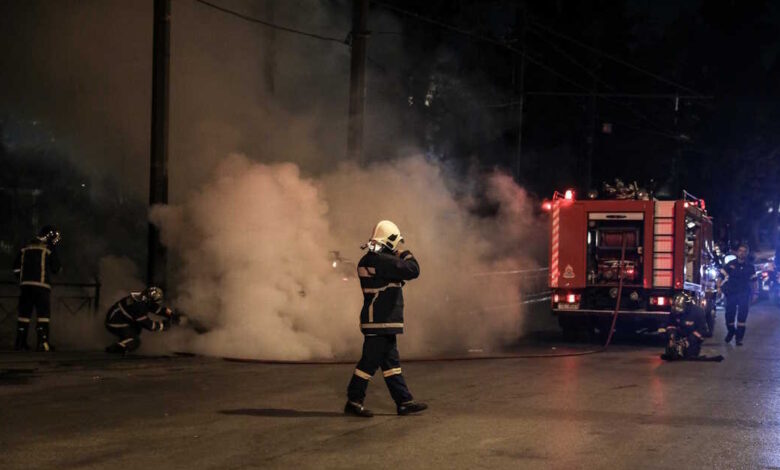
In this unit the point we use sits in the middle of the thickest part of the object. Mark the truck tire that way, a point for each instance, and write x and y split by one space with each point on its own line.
570 328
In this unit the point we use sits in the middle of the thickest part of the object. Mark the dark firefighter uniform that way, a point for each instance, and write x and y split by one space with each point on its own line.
685 332
127 317
34 266
382 276
738 290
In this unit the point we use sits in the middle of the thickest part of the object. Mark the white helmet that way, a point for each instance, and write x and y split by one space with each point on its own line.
387 235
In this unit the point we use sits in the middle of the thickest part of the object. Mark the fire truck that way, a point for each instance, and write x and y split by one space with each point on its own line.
658 247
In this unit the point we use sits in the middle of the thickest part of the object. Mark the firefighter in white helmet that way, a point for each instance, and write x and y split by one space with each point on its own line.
383 270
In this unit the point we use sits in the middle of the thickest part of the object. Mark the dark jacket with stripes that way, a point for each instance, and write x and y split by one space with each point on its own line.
35 264
132 311
382 275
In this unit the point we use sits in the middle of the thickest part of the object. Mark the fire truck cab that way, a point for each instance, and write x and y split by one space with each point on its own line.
667 247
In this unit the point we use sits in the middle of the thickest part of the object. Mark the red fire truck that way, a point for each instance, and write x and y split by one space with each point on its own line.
666 247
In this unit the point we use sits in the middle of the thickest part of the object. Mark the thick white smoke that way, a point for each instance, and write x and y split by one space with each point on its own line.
255 241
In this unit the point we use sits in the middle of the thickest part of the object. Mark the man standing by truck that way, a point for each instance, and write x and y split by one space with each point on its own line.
738 282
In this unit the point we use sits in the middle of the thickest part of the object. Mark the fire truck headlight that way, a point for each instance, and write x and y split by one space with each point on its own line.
634 296
613 292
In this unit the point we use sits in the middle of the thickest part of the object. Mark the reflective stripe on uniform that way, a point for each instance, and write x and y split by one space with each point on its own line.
362 374
697 334
124 342
43 266
369 290
117 325
381 325
741 324
35 283
23 319
43 319
689 323
21 265
124 312
392 372
141 318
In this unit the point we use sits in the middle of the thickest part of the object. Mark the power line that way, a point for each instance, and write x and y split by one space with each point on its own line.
618 95
479 37
571 59
612 57
271 25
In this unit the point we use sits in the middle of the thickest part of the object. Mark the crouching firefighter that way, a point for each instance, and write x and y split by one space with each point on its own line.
126 318
687 325
34 266
383 270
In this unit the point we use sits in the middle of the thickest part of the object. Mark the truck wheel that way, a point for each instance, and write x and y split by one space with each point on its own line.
569 328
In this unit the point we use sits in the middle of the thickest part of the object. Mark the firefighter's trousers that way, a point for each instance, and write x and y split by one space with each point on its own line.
129 339
737 306
379 351
38 299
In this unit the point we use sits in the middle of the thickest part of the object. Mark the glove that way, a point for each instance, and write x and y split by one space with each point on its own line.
406 254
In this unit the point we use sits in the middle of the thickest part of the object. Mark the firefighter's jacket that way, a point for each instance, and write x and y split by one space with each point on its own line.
131 311
382 276
691 324
739 277
35 264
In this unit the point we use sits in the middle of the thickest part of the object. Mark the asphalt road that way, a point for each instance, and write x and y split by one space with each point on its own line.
620 409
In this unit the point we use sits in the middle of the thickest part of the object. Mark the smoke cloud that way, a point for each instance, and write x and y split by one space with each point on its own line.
255 241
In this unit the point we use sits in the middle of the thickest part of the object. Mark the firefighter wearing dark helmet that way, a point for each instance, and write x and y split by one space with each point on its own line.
383 270
133 313
34 266
738 281
687 325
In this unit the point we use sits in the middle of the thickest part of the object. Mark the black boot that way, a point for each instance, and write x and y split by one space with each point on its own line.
21 338
411 407
357 409
43 339
729 336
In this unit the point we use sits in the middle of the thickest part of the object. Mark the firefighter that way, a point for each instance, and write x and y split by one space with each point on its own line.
737 282
127 317
383 270
34 266
687 325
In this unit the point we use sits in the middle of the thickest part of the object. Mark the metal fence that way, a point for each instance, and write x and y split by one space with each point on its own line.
67 298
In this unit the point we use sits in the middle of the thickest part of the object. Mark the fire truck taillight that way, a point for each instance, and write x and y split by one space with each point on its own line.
660 301
546 206
566 298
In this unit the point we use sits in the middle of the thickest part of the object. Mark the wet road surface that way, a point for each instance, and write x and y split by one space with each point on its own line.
621 409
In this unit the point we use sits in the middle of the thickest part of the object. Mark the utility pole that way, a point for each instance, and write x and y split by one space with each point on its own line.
357 80
269 64
158 168
518 166
678 148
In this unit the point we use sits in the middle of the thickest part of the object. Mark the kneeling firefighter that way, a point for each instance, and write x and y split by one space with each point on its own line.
383 272
127 317
686 329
